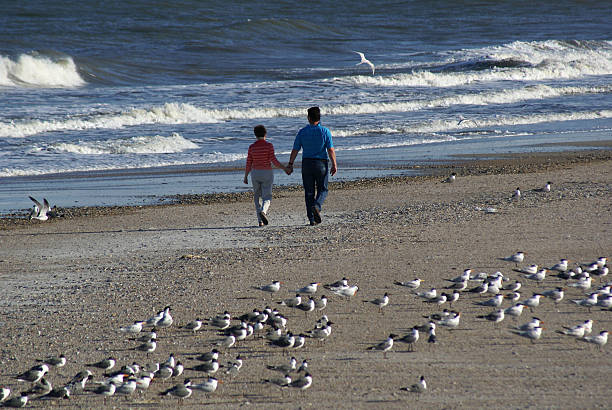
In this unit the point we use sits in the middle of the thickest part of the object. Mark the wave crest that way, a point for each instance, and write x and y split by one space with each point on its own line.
156 144
39 71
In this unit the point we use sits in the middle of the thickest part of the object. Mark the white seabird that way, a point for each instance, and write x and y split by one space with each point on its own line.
365 61
40 211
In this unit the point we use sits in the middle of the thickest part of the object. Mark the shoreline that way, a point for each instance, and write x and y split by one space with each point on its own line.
463 165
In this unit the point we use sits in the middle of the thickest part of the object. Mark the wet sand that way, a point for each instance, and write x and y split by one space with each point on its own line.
70 283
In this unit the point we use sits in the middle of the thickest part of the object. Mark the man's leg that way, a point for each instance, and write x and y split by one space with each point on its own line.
308 180
322 180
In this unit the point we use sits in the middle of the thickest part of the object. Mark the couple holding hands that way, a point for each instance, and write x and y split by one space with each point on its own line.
318 152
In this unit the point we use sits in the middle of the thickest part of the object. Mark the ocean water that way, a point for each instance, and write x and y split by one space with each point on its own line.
120 102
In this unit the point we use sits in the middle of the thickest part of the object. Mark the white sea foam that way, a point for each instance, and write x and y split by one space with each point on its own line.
39 71
475 123
169 113
153 162
175 113
547 60
156 144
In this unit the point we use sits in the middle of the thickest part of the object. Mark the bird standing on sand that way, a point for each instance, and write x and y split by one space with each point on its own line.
428 294
538 276
166 319
575 331
342 283
285 367
292 302
419 387
385 345
451 178
17 402
55 361
531 334
545 188
194 325
302 383
279 381
495 316
147 347
517 258
307 306
221 321
5 392
600 340
180 391
34 374
309 289
411 338
533 301
270 288
380 302
365 61
347 292
321 303
587 302
496 301
42 387
515 310
411 284
81 378
136 327
208 386
517 194
451 321
106 390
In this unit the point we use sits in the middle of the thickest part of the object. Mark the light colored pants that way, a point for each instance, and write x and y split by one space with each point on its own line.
262 180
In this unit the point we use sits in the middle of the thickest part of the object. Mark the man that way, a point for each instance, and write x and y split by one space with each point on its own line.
316 142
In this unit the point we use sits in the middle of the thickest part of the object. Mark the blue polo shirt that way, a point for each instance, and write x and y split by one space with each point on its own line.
315 140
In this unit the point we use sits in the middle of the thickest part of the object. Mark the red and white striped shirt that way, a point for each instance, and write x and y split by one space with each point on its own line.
260 156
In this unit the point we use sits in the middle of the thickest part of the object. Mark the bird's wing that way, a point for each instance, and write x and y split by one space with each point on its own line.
360 55
36 202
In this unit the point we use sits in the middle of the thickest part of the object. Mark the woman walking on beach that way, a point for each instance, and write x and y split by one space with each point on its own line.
259 162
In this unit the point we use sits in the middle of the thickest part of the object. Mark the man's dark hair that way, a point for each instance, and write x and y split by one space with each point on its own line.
260 131
314 114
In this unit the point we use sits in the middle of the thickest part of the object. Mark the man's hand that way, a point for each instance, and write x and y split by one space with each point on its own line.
245 180
333 170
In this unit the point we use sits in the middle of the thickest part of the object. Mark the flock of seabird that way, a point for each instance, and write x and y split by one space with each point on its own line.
482 290
268 325
271 326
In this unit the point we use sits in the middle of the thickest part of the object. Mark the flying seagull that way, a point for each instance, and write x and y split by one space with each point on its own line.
364 61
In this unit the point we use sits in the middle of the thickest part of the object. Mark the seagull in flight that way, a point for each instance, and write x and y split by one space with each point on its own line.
365 61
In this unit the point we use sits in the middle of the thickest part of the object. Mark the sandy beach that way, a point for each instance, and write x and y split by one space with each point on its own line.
71 282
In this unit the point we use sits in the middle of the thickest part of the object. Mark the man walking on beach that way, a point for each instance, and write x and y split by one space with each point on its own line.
317 145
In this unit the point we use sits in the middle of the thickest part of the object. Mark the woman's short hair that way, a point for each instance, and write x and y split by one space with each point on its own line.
260 131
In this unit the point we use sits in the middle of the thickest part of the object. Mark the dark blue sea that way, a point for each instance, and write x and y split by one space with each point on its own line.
121 102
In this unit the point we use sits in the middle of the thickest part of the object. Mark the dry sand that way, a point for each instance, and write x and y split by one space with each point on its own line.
68 284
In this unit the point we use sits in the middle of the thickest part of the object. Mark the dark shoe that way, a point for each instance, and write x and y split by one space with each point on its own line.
263 217
312 223
316 215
